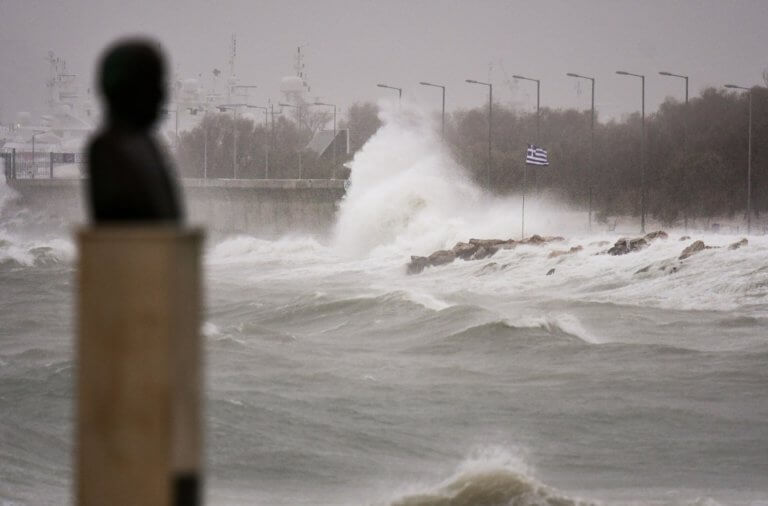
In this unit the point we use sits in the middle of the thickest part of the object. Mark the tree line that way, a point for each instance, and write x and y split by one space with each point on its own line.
696 156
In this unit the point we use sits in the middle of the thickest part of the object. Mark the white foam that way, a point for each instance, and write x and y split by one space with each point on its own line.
408 194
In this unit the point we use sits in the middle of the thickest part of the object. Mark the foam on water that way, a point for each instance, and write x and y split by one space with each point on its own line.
490 477
408 194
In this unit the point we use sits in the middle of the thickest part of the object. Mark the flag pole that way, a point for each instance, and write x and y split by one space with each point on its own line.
522 228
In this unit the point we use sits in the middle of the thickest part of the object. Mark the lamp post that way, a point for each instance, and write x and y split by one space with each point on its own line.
538 103
442 121
222 108
591 147
272 114
685 125
298 126
642 148
490 122
266 144
749 155
333 170
399 92
193 111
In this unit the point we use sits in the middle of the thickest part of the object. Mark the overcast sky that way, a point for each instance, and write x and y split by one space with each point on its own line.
352 45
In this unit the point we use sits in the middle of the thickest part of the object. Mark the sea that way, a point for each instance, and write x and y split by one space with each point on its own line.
334 378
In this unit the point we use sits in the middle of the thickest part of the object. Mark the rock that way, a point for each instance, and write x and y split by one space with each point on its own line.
442 257
551 271
739 244
685 238
624 246
417 264
559 253
483 252
600 243
534 239
464 250
644 269
489 268
507 244
485 243
659 234
693 249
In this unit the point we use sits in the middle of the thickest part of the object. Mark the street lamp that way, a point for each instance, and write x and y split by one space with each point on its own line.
333 170
749 155
538 95
442 123
399 91
591 145
266 144
685 124
193 111
490 117
272 114
222 108
298 126
642 148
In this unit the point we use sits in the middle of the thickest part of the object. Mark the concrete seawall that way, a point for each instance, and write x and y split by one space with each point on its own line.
261 207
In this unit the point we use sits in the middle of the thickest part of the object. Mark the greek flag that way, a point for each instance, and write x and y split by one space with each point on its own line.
536 156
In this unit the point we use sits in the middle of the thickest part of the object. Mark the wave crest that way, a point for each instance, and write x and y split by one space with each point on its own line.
491 477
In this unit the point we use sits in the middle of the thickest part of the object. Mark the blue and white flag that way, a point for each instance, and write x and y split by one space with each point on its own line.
536 156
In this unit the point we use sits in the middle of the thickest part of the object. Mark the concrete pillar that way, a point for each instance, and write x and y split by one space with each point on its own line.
139 373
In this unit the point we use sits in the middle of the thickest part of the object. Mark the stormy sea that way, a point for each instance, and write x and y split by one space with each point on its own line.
334 378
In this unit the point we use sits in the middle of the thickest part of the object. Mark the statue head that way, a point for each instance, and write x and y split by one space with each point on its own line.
132 82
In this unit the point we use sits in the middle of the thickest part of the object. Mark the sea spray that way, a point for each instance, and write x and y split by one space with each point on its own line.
408 195
488 477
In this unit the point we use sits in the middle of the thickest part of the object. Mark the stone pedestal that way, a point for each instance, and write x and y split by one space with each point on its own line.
139 381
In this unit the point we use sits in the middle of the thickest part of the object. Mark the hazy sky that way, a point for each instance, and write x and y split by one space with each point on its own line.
352 45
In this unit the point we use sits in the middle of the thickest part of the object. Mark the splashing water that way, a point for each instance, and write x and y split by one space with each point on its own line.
407 193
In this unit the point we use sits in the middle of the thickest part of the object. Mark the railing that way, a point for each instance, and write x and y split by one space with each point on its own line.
40 165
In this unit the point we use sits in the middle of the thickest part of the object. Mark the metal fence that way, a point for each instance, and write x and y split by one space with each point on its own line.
41 165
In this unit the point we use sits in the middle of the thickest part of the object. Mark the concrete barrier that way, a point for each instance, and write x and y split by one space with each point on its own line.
139 377
261 207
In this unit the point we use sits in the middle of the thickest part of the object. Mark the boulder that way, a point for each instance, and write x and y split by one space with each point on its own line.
600 243
685 238
488 268
558 253
551 271
739 244
693 249
442 257
659 234
489 243
624 246
464 250
416 265
483 252
537 239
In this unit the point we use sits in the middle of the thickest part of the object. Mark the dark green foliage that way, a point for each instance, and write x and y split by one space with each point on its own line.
696 158
696 161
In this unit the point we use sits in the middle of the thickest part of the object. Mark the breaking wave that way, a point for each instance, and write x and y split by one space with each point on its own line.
491 477
407 193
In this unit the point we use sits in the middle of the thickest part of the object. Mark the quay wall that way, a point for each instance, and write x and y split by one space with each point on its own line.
259 207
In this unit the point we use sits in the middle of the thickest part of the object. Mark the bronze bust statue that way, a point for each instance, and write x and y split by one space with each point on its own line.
129 178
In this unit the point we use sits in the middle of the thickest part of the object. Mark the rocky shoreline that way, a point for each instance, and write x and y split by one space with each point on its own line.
478 249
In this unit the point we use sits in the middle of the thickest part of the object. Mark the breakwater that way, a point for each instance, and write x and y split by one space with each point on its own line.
260 207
